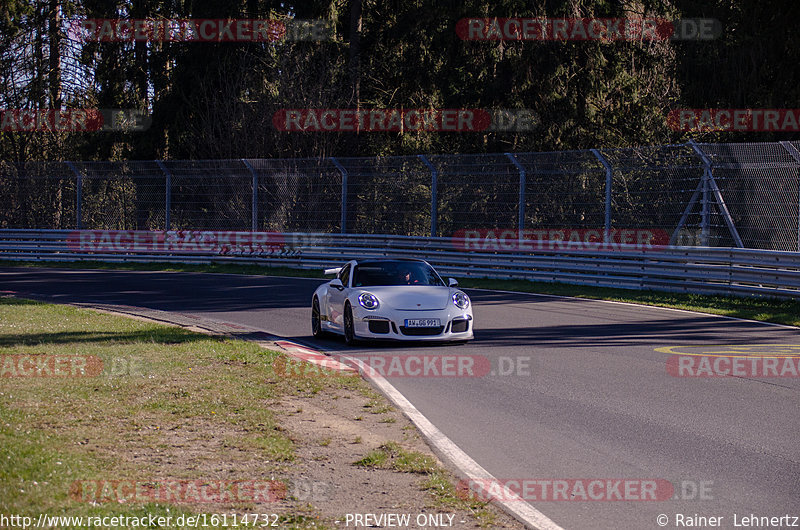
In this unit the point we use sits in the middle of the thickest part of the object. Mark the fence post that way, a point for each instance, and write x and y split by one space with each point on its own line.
704 221
167 196
796 155
609 179
254 209
710 183
343 171
78 194
434 194
521 205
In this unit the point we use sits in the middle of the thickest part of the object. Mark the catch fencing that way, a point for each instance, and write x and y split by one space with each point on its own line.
701 218
706 195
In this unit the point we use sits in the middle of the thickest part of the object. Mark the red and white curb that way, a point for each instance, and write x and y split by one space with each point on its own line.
312 356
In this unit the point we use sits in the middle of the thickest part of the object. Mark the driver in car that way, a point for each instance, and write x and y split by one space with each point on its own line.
408 277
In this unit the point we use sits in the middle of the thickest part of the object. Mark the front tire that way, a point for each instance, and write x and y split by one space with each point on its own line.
349 327
316 320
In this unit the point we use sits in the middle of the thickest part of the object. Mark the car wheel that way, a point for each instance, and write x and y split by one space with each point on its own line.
349 328
316 321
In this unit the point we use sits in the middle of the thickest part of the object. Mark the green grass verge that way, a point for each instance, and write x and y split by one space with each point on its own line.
764 309
392 456
163 404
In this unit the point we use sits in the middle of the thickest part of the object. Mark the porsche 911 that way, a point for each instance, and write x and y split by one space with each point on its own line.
397 299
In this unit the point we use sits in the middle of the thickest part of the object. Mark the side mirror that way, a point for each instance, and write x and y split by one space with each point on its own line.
336 283
452 282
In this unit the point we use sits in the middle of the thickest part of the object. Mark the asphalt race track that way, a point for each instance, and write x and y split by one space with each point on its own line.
592 400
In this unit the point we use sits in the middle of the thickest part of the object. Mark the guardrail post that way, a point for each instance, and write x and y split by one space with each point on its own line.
167 195
709 183
796 155
521 206
343 171
254 209
609 180
434 194
78 194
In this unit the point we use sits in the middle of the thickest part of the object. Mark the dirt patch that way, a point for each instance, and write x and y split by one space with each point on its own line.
329 439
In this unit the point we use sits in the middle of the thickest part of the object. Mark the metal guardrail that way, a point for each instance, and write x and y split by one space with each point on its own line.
702 270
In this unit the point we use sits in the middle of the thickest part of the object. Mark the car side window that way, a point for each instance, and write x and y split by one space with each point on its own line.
344 275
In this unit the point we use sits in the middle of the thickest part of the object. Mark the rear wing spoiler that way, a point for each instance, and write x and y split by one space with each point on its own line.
332 271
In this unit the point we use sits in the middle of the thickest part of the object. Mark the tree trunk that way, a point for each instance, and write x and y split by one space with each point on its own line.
54 81
355 50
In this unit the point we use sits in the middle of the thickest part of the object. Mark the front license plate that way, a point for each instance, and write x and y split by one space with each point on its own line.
423 323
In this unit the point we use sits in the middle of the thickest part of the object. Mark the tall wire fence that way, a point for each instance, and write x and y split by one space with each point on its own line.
724 195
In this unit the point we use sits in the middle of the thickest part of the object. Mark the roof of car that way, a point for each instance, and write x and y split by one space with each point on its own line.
388 260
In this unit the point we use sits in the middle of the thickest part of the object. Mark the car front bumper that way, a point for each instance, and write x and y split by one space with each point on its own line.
455 325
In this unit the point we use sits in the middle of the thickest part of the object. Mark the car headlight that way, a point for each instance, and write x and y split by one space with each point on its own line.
368 301
461 300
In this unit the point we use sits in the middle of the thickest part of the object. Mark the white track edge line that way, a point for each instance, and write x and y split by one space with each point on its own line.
454 455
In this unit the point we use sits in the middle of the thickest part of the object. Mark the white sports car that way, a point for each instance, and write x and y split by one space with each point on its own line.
400 299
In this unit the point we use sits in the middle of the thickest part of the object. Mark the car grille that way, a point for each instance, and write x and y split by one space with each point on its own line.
421 331
379 326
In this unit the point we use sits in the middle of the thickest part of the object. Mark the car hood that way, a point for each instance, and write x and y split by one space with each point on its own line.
411 297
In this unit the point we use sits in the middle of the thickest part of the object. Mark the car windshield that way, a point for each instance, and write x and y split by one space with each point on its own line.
395 273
